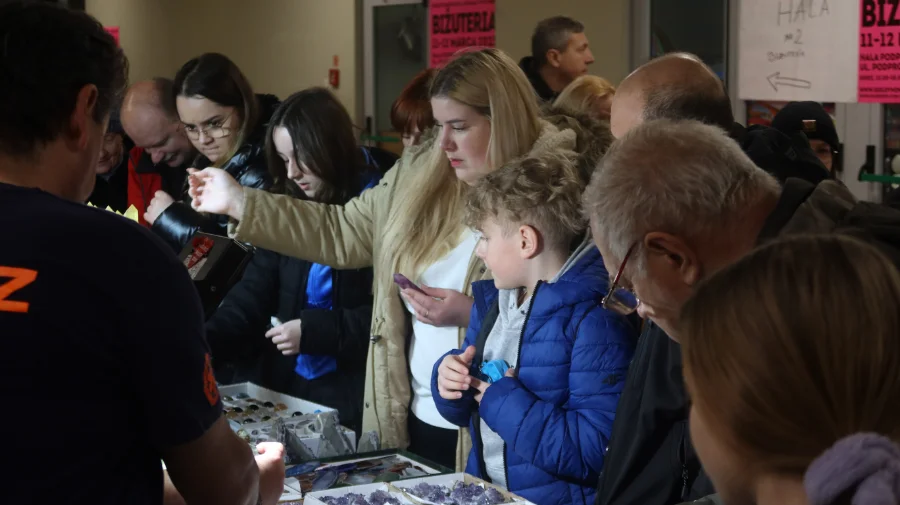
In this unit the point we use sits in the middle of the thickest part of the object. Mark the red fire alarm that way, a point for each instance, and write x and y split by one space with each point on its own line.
334 77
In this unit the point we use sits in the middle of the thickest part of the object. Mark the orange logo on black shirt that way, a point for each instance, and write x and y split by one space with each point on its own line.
18 279
210 389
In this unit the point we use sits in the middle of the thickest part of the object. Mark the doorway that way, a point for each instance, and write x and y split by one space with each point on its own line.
395 49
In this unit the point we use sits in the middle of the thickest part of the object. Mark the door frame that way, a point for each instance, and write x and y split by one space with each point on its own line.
368 15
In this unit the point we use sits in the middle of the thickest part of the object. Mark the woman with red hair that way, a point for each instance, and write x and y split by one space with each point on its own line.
411 112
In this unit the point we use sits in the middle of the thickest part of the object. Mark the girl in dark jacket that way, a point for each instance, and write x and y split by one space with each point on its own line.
317 347
226 122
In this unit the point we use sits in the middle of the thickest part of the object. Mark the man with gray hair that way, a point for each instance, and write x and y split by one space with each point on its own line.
559 54
671 203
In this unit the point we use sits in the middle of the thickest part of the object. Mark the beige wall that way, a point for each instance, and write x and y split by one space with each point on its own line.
607 26
281 45
145 33
287 45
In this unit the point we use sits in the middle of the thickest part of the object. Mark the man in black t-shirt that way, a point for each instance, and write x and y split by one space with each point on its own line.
102 386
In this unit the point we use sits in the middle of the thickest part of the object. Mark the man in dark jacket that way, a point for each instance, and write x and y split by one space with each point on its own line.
682 230
651 460
559 54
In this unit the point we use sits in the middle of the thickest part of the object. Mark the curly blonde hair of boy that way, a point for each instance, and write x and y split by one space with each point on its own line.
543 191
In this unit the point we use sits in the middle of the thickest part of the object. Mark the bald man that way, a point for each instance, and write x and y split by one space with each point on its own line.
676 86
150 119
650 460
157 164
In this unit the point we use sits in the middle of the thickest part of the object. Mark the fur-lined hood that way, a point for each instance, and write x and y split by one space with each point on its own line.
593 136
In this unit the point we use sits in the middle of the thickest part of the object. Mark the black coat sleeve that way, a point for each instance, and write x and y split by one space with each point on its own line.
342 333
178 223
237 328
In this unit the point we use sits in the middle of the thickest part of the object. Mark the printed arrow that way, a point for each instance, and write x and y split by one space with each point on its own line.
776 80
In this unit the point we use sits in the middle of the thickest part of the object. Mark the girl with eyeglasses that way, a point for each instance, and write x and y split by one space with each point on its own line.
227 123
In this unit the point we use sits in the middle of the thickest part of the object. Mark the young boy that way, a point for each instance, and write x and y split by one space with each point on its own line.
540 428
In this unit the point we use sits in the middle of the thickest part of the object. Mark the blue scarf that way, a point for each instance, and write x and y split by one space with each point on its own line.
319 295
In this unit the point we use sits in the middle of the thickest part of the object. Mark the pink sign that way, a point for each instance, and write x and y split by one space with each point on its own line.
114 31
879 52
458 25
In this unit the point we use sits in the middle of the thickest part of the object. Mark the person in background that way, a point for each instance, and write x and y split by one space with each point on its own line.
588 93
704 204
226 122
318 346
794 401
411 112
111 186
162 151
140 363
811 119
559 54
541 429
410 224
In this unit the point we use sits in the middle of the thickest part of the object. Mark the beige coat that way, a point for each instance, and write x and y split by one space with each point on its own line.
351 237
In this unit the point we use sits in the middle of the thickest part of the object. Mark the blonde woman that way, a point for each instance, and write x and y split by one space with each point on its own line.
589 94
411 223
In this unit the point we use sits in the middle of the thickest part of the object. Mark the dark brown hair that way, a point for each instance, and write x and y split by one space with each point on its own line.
412 109
215 77
49 53
795 347
324 140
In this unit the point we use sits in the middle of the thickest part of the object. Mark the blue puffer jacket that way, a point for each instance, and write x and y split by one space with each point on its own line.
557 414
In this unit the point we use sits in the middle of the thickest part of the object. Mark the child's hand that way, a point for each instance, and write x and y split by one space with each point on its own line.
453 374
482 386
287 337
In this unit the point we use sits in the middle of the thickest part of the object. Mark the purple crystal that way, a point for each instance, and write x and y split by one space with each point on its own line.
494 497
382 498
474 494
429 492
347 499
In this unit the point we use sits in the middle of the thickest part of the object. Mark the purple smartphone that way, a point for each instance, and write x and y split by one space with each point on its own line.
405 283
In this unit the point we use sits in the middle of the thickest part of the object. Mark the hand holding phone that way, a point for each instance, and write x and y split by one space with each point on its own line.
405 283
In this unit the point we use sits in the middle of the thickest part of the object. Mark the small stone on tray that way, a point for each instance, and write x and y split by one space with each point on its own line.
376 498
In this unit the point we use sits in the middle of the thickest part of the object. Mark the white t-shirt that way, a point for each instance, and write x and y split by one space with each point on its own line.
430 342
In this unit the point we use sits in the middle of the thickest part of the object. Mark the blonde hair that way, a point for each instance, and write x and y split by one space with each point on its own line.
586 94
795 347
541 191
427 222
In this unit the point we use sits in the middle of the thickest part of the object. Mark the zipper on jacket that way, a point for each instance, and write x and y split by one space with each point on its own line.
518 357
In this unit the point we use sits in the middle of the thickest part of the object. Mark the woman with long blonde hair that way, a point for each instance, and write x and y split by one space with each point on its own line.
410 224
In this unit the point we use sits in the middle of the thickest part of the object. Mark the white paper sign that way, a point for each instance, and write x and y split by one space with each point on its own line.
798 50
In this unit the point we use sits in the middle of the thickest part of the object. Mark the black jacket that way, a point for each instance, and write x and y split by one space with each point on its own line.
537 82
782 155
178 223
650 460
275 285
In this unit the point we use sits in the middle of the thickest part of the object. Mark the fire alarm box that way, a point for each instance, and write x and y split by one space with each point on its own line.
334 77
